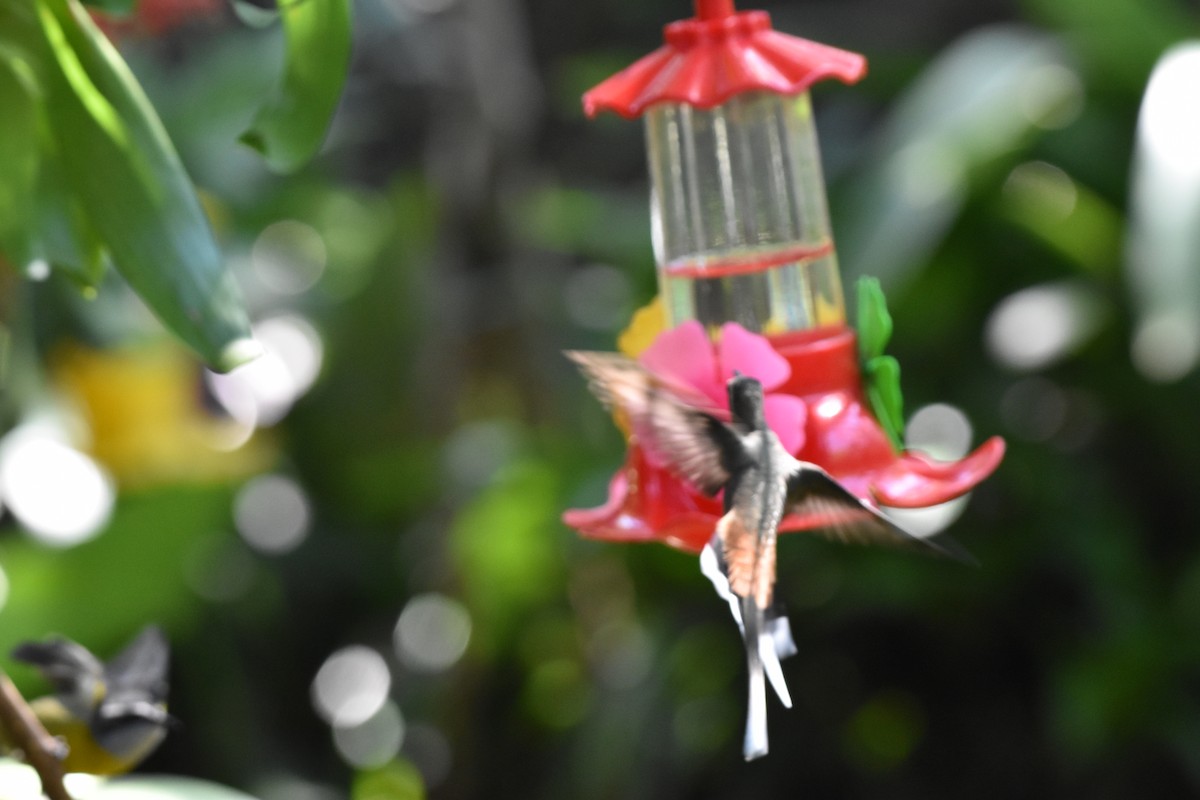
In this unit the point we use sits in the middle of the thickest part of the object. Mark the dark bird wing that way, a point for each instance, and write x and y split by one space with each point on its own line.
68 665
139 672
837 514
676 423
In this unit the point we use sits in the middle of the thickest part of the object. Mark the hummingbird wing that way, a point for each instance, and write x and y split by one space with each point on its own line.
675 422
839 515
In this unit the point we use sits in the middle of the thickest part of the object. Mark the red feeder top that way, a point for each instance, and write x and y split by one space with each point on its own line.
717 54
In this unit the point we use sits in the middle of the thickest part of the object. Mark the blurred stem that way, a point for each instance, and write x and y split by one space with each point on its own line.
38 748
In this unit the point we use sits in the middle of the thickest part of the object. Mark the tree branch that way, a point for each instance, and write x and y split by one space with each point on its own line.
39 749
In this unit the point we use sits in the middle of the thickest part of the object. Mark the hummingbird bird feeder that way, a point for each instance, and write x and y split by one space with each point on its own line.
749 286
741 236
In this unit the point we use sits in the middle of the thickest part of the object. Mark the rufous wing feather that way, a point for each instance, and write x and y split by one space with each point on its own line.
750 562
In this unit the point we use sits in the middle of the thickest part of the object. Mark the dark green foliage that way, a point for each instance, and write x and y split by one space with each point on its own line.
475 226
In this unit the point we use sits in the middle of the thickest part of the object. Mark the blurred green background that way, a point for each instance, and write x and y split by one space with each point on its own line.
355 544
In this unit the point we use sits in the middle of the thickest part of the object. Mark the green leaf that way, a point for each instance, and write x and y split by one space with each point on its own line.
289 128
18 151
874 321
398 780
116 8
1118 40
63 236
883 392
968 114
122 168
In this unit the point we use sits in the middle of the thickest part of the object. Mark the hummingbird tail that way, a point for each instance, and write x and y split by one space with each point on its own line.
756 711
775 642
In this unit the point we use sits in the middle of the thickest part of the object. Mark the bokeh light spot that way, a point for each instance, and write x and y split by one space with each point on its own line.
927 173
622 653
1035 408
705 724
1169 122
940 430
288 257
373 742
1038 326
37 270
1051 97
398 780
261 392
272 514
61 496
556 694
219 568
291 787
429 750
432 633
598 297
930 520
1166 346
351 686
475 451
884 731
1053 189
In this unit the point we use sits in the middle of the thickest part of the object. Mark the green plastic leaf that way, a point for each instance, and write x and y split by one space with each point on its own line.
122 168
874 321
881 373
289 128
883 393
18 151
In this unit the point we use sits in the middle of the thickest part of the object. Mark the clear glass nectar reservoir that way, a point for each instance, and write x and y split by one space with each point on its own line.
738 214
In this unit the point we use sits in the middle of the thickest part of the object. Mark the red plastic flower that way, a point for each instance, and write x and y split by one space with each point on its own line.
818 402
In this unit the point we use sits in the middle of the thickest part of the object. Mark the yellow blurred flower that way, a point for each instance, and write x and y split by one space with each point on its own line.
143 407
648 322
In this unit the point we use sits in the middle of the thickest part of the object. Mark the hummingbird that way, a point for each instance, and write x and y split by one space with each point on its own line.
111 716
739 454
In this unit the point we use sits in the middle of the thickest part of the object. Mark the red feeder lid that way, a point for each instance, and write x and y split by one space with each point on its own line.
717 54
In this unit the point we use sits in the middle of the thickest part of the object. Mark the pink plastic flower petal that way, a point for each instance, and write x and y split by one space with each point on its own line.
685 354
787 416
750 354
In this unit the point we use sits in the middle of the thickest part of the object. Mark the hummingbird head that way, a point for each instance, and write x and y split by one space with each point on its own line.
746 401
